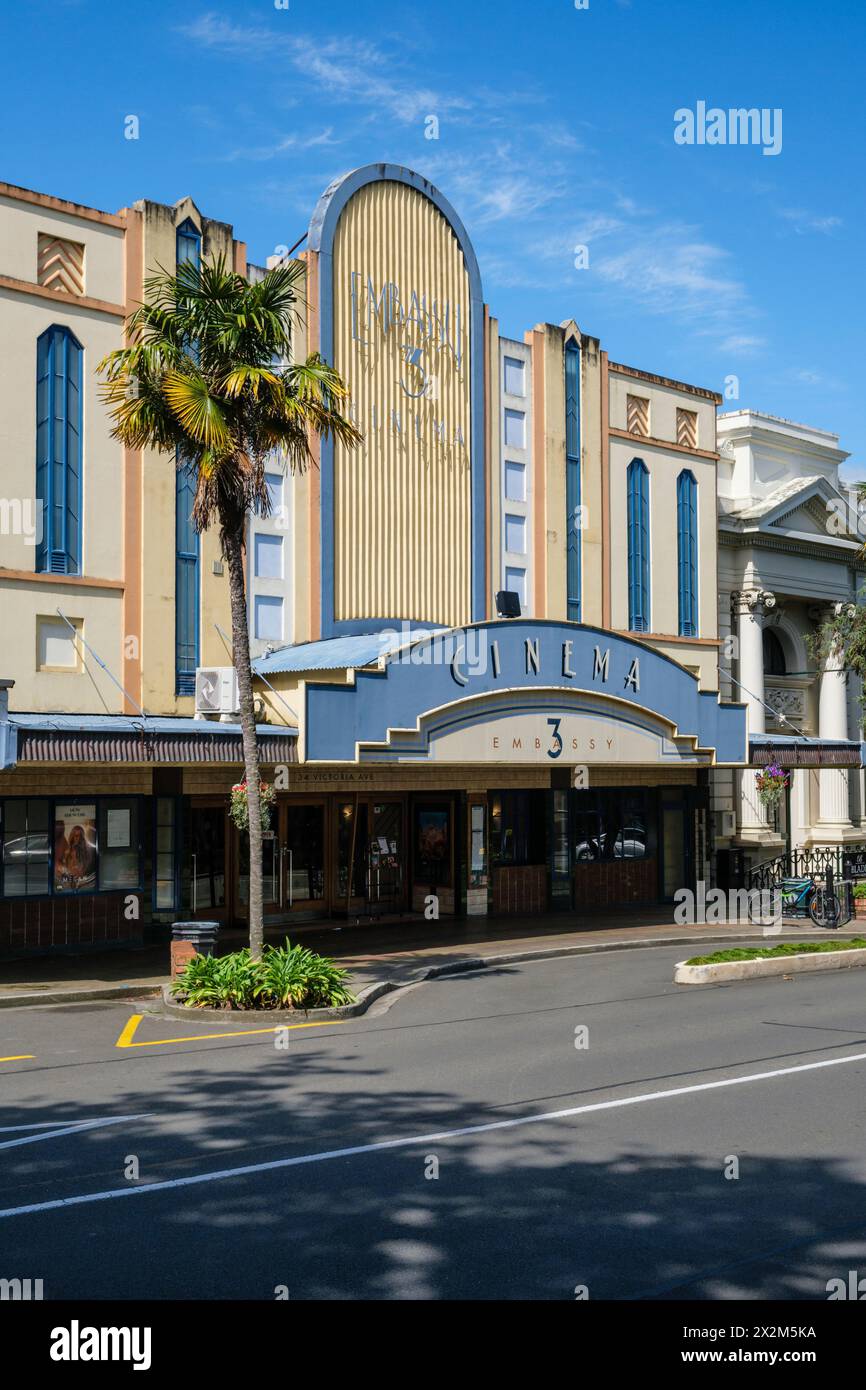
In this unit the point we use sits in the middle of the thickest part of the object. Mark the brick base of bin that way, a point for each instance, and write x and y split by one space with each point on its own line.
182 953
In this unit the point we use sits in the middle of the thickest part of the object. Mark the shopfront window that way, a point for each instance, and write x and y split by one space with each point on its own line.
165 855
71 846
610 825
26 848
433 845
517 827
477 856
119 841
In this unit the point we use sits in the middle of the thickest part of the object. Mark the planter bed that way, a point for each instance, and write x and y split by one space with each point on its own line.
792 959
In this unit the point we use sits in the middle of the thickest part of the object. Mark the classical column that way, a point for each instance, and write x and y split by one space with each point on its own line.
834 816
749 606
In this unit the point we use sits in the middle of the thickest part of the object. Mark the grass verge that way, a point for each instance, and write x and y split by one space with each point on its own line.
790 948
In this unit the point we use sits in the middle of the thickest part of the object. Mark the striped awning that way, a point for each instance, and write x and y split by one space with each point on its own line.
123 739
805 752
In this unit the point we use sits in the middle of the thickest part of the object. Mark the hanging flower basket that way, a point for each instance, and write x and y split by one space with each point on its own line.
771 784
239 809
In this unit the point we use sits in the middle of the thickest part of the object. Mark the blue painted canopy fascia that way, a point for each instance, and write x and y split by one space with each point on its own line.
340 717
8 744
323 229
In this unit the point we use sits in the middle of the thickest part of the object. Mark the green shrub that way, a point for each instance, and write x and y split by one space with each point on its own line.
286 977
860 890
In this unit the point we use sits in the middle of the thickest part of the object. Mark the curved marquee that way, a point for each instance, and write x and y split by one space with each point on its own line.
524 691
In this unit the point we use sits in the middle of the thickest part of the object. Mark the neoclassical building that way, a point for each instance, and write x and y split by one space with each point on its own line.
491 663
790 551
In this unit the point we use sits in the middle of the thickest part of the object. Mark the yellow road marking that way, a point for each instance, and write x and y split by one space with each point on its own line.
129 1031
25 1057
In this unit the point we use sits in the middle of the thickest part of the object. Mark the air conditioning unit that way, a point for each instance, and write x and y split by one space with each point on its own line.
216 690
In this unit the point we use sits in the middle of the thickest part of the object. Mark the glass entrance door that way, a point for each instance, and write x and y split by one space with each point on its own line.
303 852
293 862
371 873
385 857
207 861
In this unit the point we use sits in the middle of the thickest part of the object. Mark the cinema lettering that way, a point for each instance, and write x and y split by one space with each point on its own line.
524 692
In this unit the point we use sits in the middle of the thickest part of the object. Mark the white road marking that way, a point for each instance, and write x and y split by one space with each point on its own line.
74 1127
172 1184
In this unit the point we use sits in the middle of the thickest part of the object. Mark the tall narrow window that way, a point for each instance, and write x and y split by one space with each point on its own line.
572 479
188 251
58 450
188 243
638 547
687 552
186 582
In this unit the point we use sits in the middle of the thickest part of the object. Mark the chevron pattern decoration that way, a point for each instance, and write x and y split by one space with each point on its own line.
637 415
687 429
60 264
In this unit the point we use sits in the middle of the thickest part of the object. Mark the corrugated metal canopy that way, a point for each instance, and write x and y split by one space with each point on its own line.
338 653
799 751
162 740
136 723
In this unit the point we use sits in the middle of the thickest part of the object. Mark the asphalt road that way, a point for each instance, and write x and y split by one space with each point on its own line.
422 1152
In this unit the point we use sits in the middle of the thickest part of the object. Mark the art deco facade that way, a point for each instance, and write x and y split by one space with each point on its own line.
426 748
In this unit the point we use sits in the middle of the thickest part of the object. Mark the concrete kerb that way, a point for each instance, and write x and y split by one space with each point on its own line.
155 993
78 996
725 970
373 992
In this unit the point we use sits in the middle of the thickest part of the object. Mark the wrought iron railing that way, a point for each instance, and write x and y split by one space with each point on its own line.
802 863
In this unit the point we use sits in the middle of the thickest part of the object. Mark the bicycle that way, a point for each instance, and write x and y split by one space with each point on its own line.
800 897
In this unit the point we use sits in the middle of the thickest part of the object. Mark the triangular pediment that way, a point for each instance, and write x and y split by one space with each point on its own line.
810 517
812 507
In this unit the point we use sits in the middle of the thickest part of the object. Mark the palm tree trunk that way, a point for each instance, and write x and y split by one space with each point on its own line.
232 544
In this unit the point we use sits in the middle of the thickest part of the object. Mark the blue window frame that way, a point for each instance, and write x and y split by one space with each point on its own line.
188 243
687 552
187 544
572 480
638 547
59 358
186 582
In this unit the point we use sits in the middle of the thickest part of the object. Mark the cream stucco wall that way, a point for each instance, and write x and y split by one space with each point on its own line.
97 615
20 225
158 509
23 318
665 462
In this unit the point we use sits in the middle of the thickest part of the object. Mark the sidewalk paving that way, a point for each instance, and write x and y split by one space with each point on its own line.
393 951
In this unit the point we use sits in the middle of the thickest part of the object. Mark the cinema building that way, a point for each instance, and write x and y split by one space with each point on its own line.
486 641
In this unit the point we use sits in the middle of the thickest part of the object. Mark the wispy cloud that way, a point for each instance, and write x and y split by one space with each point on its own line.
347 70
744 344
284 145
803 221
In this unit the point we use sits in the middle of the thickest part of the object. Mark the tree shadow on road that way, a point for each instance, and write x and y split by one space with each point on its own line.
535 1212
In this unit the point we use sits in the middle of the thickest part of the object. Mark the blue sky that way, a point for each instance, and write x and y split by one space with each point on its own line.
555 130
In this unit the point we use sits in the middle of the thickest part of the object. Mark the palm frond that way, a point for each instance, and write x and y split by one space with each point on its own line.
199 413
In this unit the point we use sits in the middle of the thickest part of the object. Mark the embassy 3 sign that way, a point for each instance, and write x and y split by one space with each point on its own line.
533 692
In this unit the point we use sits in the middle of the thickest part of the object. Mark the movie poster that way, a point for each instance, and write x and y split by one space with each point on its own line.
433 837
74 847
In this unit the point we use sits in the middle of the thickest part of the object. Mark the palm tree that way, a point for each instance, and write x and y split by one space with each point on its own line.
201 381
